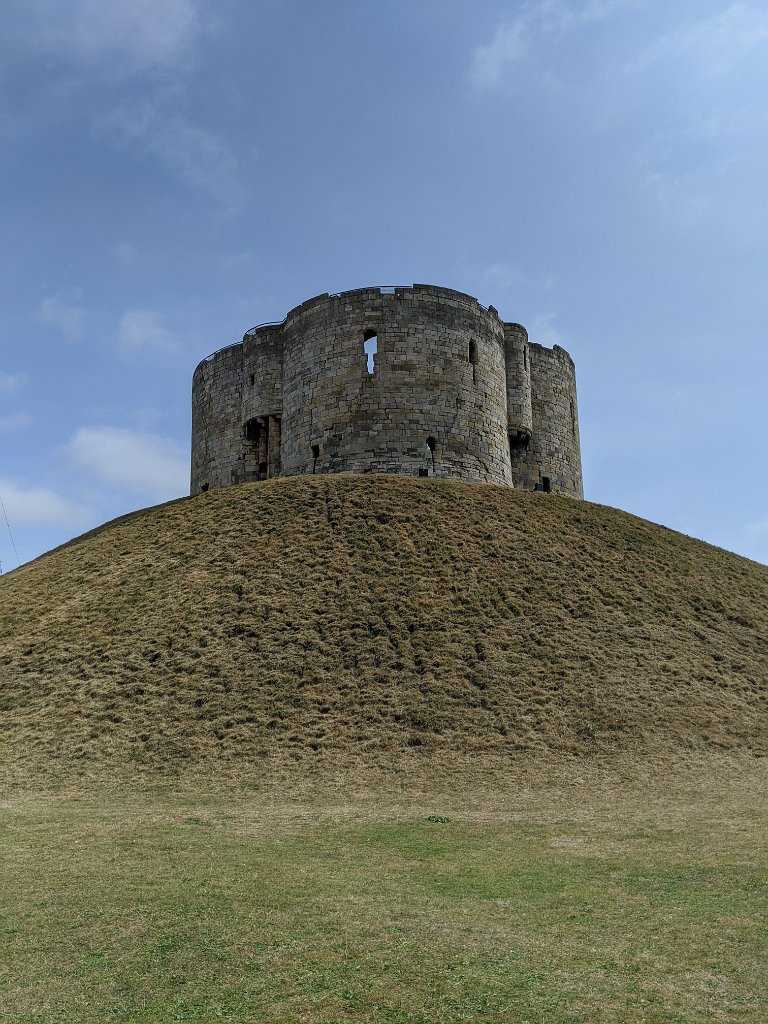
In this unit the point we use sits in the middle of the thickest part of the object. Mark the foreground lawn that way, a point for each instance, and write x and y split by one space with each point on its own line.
576 897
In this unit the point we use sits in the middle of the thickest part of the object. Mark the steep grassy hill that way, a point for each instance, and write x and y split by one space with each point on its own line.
362 615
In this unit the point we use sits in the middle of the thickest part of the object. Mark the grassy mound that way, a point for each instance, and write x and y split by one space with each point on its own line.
365 615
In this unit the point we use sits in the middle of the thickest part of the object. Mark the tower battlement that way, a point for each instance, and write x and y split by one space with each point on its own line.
416 380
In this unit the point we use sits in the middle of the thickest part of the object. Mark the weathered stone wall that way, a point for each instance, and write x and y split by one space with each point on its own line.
552 459
216 418
519 414
438 373
452 392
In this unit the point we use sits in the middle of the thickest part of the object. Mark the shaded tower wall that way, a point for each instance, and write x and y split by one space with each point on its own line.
519 409
216 436
552 459
434 404
262 403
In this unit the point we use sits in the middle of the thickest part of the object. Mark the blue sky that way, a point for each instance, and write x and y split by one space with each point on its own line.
174 171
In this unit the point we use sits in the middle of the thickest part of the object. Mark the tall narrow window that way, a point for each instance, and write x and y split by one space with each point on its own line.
431 445
525 357
370 348
546 484
472 356
315 456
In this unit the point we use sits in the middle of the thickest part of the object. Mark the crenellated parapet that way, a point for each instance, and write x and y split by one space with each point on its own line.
418 380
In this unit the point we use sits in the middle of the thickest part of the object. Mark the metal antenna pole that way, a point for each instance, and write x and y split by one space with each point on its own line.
10 532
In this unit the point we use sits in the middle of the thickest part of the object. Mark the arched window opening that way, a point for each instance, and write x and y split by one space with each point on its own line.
370 348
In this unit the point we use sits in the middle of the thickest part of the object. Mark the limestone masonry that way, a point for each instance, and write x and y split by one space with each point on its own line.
422 380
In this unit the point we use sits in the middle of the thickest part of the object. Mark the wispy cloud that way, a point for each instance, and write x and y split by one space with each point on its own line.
127 255
151 466
125 35
142 332
10 382
758 528
515 38
508 46
199 157
710 46
17 421
39 506
66 312
543 330
682 198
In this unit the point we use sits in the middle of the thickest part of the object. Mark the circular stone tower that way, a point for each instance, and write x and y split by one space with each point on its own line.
420 380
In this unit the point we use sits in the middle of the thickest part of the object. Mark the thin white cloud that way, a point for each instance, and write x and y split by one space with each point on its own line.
199 157
17 421
711 46
126 254
10 382
543 331
39 506
65 312
758 528
535 21
141 332
147 464
489 62
681 198
120 34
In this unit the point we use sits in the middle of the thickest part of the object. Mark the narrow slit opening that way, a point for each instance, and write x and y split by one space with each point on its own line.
370 348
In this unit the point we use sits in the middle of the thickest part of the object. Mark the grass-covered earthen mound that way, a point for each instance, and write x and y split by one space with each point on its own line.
362 615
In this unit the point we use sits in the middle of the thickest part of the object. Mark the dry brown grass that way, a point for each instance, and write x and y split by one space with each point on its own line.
344 617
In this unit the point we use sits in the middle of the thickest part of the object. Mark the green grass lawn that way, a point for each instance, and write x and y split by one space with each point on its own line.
582 897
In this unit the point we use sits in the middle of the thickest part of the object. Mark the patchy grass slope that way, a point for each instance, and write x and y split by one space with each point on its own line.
362 615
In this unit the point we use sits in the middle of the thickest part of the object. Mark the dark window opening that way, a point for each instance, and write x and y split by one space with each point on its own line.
315 456
431 445
370 348
251 379
573 417
204 488
525 358
472 356
518 439
423 472
546 486
256 448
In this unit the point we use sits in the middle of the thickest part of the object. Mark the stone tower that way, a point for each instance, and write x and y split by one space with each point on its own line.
421 380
